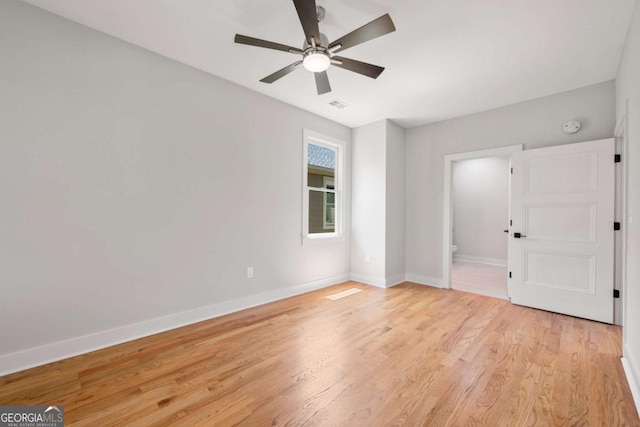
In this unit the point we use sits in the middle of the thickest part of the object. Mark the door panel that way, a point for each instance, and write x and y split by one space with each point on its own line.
562 201
564 271
560 174
574 222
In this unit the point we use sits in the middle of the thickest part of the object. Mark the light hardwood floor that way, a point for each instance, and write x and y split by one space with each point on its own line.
479 278
409 355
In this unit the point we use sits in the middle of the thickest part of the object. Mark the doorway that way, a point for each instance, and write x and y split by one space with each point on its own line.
470 269
480 202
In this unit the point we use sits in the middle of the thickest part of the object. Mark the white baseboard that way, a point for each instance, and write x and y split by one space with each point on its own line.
633 375
378 282
395 280
424 280
482 260
29 358
369 280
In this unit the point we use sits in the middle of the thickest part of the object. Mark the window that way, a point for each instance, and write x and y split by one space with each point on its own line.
322 198
329 205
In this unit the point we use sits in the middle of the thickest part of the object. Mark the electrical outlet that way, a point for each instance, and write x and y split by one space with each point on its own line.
249 272
367 259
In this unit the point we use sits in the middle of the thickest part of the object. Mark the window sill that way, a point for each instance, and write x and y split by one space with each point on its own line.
323 239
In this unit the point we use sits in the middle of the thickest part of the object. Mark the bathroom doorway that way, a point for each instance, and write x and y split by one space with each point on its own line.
480 202
476 221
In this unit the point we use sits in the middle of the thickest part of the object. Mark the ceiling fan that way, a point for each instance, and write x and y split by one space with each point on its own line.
317 53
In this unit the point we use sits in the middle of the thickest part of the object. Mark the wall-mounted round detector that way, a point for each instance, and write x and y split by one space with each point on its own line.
572 126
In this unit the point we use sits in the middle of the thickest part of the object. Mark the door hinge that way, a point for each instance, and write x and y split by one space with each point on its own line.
509 275
616 226
617 158
511 170
616 293
510 222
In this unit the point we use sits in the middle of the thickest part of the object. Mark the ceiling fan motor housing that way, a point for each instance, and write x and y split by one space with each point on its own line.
316 58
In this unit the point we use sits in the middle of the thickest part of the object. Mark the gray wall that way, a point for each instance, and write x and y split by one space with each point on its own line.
395 171
628 93
134 187
368 208
536 123
378 205
480 195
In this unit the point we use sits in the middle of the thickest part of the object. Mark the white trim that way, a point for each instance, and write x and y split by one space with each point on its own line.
621 123
424 280
621 131
339 183
394 280
633 375
29 358
369 280
447 222
325 181
379 282
481 260
324 238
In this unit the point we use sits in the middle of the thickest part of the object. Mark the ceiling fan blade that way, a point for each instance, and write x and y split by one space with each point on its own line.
308 18
251 41
376 28
281 73
322 82
359 67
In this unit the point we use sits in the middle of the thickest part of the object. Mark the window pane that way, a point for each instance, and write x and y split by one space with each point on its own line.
321 166
331 198
330 217
328 182
321 213
329 211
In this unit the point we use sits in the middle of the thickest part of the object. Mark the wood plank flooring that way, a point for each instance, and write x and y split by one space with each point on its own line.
410 355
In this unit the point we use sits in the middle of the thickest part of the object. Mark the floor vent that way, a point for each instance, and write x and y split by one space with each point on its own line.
343 294
338 104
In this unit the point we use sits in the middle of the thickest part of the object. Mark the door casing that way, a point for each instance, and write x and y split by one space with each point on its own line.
447 219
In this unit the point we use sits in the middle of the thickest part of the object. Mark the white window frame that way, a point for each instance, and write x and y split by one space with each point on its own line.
339 178
325 181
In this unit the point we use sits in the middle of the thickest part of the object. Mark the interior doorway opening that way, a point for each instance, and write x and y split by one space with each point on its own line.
480 231
448 217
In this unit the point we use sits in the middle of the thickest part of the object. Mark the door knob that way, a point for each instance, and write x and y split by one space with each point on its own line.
518 235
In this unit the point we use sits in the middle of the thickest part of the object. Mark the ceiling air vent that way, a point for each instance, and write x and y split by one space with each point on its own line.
338 104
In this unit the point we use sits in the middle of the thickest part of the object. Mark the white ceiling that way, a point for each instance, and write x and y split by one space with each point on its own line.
447 58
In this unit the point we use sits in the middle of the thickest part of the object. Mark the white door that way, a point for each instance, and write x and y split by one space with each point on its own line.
562 205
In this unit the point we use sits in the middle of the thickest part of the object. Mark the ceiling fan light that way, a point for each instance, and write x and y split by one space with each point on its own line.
316 62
